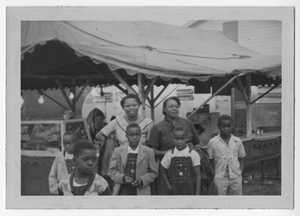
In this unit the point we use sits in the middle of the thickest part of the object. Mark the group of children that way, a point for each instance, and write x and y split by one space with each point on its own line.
133 167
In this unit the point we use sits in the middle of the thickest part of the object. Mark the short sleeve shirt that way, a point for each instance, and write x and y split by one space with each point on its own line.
98 186
166 161
226 155
161 133
119 125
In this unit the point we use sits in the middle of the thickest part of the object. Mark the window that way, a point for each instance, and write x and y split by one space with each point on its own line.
272 97
108 97
185 94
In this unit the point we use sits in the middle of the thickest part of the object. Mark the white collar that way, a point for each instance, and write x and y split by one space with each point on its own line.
130 150
184 151
68 156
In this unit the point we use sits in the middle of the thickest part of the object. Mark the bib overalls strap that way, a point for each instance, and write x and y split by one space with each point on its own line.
182 176
130 170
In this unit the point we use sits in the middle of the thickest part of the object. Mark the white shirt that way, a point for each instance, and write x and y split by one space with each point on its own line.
166 161
130 150
68 156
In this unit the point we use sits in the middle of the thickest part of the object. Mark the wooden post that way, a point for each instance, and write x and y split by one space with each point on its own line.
248 105
121 80
142 93
64 93
152 104
233 104
73 100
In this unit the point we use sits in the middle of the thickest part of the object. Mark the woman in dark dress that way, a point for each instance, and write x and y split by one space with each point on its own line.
161 135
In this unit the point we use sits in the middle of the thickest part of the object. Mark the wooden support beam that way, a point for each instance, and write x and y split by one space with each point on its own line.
167 95
219 90
242 90
43 93
142 93
166 86
121 80
74 93
81 90
152 104
233 104
248 105
64 93
150 86
104 76
264 94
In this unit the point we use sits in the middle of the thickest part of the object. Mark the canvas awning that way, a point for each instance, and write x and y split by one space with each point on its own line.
81 49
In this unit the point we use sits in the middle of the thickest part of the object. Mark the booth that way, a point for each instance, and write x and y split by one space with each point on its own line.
66 54
40 143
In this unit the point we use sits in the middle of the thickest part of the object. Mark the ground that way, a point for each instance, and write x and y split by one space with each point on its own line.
271 186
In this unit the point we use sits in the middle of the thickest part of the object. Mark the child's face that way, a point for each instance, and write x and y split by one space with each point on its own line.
68 144
86 161
133 135
180 139
225 127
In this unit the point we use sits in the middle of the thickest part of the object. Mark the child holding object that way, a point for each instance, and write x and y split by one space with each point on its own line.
180 167
132 167
83 180
226 153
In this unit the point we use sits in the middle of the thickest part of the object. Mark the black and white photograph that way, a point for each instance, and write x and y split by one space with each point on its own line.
156 107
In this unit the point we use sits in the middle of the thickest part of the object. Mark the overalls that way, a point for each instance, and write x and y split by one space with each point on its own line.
130 171
182 176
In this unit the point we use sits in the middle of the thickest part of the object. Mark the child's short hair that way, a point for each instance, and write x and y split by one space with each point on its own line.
82 145
132 125
180 128
224 117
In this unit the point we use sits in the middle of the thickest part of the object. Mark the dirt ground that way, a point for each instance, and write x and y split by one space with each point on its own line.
270 186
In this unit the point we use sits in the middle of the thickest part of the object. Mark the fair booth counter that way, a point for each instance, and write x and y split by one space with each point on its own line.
41 141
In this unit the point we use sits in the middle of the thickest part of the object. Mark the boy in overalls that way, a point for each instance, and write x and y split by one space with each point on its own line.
132 167
181 166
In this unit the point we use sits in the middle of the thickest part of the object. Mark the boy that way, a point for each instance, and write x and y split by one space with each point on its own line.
132 166
226 154
62 164
83 180
180 167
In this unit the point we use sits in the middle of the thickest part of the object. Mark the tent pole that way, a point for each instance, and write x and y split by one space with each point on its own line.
142 93
208 99
248 105
64 93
